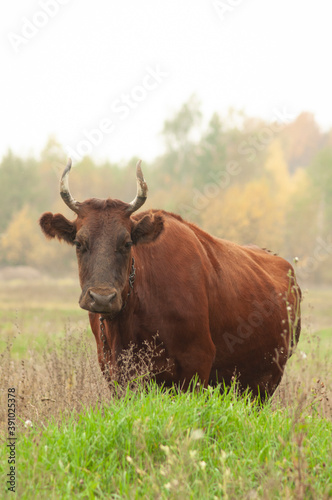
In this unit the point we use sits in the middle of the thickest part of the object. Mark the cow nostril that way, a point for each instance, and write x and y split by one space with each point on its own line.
94 296
102 300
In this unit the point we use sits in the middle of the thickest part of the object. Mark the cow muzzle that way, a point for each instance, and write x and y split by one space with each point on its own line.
101 301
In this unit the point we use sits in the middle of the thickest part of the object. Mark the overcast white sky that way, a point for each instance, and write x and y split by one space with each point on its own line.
74 66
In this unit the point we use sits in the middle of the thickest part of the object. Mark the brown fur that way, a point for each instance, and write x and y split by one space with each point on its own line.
218 308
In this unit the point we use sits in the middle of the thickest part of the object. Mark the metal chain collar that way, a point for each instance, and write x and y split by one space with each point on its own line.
131 280
132 277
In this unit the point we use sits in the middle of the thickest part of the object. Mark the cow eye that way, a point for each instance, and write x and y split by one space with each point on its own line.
77 244
128 244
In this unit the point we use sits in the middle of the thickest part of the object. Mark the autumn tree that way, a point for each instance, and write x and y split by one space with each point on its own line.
18 186
179 136
23 244
302 139
246 214
177 130
320 173
211 152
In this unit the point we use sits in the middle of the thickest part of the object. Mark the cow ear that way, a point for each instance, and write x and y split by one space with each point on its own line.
148 228
58 226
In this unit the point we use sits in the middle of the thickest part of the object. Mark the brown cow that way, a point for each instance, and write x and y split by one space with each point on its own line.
218 307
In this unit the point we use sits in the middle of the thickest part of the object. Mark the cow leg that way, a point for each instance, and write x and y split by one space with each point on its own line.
196 361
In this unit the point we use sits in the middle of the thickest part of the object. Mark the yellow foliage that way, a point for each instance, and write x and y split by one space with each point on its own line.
23 243
254 213
173 200
246 214
277 169
300 182
19 238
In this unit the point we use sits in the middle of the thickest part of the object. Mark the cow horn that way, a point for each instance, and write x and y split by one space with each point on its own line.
64 189
142 190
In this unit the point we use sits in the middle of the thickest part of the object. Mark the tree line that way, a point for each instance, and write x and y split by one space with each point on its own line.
238 177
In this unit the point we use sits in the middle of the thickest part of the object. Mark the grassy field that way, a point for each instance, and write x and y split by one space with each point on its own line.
84 442
38 312
164 445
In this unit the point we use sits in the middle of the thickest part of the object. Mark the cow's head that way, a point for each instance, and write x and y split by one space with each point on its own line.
103 234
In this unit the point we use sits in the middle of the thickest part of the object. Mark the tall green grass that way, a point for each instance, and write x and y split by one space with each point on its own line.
160 444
